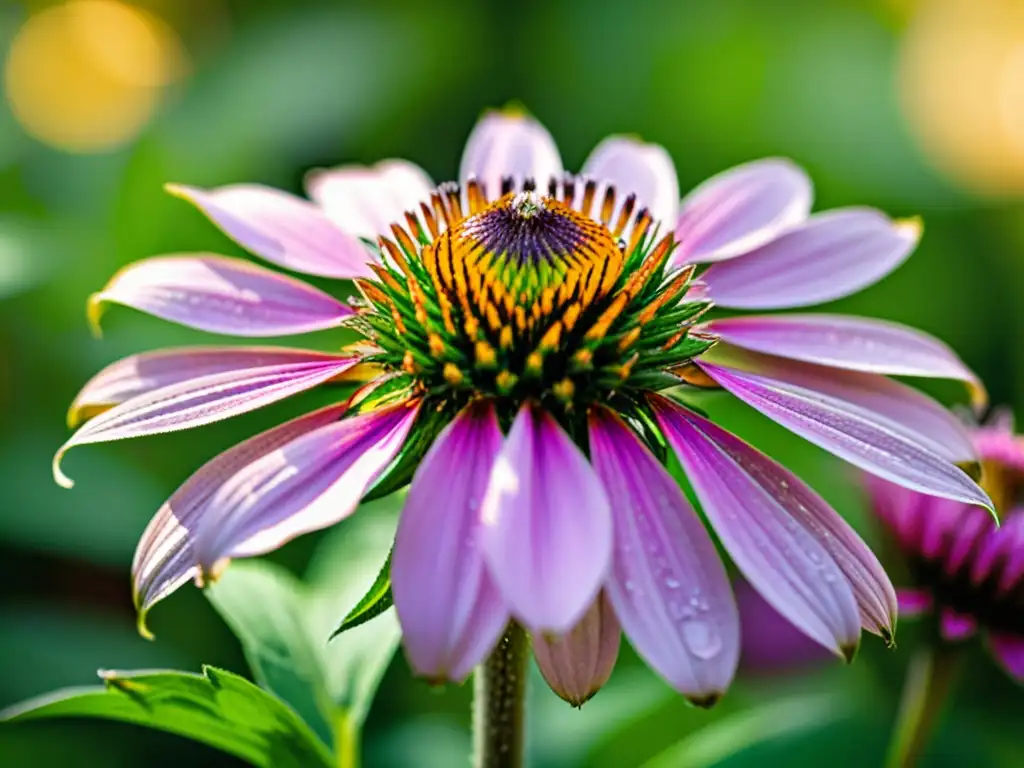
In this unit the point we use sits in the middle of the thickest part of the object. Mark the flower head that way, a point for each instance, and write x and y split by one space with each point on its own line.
966 567
529 339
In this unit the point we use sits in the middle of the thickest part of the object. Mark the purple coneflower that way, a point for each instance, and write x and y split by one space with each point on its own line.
528 339
967 569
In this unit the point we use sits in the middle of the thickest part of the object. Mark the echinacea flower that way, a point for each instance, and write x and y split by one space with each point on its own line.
967 569
528 338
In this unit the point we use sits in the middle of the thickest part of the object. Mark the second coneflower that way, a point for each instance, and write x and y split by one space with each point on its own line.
529 339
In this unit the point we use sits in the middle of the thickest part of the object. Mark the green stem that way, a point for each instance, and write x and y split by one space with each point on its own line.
498 703
929 680
346 741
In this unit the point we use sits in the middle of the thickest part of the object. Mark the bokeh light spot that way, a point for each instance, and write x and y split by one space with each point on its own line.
87 75
962 89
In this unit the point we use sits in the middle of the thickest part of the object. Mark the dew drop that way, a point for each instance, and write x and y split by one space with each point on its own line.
672 583
701 639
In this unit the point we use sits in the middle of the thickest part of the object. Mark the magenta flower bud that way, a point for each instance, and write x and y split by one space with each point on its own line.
577 664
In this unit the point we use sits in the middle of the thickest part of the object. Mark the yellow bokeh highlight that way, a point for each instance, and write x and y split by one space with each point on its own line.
87 75
961 83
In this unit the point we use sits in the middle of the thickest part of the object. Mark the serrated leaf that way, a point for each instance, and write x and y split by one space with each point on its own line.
216 708
376 600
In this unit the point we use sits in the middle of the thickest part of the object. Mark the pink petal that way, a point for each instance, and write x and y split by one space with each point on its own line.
206 399
900 408
509 144
741 209
852 433
310 483
667 584
1013 567
973 525
635 167
577 664
138 374
285 230
853 343
830 256
450 611
220 295
770 643
914 602
762 514
1009 650
997 549
164 558
364 202
874 593
956 626
547 526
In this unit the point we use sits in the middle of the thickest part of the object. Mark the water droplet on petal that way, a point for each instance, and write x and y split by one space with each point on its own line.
701 639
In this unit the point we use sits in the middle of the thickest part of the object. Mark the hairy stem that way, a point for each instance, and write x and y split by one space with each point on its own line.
498 703
929 680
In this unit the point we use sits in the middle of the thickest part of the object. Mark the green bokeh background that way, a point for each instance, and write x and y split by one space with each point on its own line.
278 87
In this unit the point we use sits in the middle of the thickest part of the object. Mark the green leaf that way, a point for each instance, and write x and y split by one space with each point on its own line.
264 605
376 600
216 708
344 567
284 624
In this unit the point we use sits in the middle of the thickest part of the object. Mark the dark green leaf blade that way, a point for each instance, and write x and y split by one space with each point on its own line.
376 600
216 708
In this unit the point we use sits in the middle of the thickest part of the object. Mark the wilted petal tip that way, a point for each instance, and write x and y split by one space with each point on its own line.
849 652
911 227
93 314
58 474
705 700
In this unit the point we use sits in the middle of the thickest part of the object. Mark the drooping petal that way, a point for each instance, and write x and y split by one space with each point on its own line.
135 375
547 526
667 584
635 167
164 558
914 602
1009 650
741 209
282 228
770 643
897 407
852 433
220 295
449 608
956 626
853 343
763 516
364 202
206 399
310 483
577 664
830 256
509 144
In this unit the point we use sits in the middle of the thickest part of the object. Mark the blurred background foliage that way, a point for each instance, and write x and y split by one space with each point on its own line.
913 105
